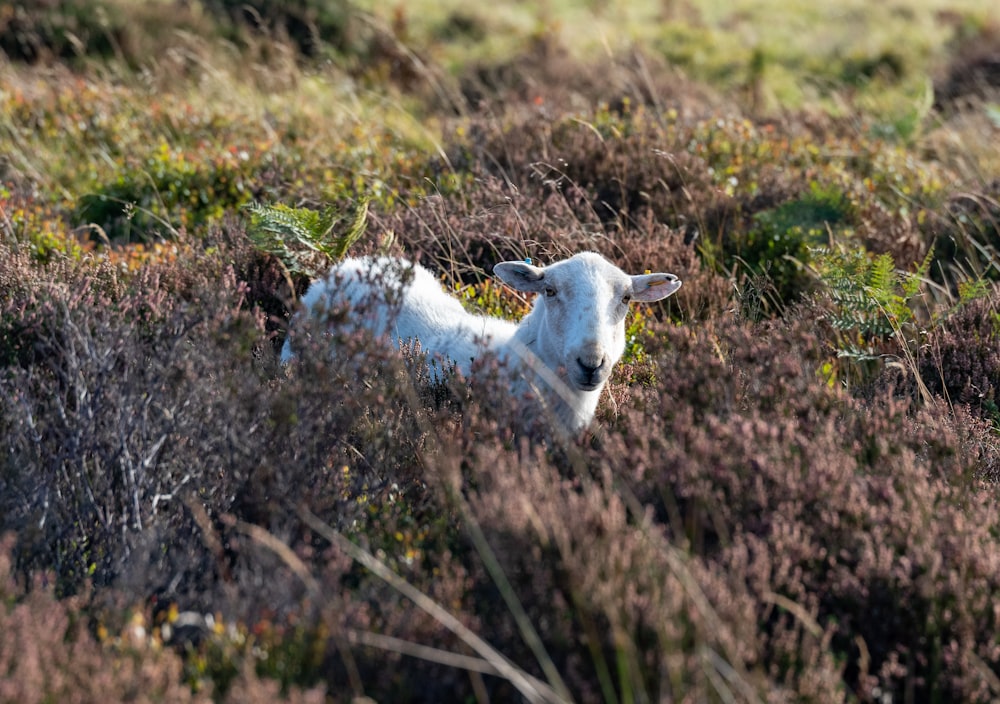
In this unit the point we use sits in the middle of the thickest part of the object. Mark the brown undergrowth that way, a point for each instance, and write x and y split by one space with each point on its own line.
734 522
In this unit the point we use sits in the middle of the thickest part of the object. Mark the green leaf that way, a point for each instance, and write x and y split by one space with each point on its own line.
871 297
306 240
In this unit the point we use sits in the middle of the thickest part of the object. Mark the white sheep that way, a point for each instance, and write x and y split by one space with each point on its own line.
562 352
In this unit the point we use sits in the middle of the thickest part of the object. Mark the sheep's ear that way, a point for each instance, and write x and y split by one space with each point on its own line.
521 276
653 287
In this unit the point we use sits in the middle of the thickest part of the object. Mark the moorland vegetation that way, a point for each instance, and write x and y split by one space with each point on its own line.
790 492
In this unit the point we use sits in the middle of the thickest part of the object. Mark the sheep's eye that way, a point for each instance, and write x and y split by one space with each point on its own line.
627 298
549 291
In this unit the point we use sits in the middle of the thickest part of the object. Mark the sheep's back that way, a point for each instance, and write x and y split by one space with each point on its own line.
443 327
405 302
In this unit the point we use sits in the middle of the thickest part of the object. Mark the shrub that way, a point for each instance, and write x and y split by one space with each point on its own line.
754 199
156 389
807 489
967 234
782 238
47 653
961 358
170 191
37 225
35 32
307 23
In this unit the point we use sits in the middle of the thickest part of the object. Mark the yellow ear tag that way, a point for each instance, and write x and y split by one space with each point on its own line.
653 284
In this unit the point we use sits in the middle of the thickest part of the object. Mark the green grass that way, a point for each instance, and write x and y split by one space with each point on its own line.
832 56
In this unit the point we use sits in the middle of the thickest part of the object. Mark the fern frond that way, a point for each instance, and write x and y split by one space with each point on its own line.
882 278
354 233
870 295
912 281
305 240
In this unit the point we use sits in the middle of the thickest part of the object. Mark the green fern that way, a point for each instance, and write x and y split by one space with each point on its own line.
872 299
870 294
882 278
895 291
306 240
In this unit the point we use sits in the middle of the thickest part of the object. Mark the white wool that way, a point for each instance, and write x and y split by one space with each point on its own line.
563 350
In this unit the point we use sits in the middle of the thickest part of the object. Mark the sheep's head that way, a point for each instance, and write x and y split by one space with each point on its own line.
580 312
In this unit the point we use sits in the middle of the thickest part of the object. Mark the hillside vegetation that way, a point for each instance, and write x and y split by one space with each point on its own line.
790 492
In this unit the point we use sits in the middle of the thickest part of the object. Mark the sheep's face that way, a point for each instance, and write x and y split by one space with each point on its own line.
580 312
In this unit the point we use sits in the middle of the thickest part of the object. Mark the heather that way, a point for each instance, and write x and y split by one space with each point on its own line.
790 491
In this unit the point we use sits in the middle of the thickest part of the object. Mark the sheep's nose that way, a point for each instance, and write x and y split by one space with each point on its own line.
588 367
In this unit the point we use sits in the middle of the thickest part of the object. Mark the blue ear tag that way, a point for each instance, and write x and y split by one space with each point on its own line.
527 260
